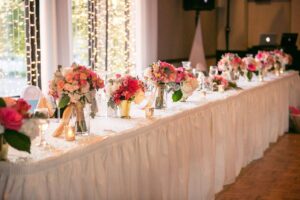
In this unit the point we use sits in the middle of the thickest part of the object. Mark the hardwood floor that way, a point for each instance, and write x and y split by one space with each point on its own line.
274 177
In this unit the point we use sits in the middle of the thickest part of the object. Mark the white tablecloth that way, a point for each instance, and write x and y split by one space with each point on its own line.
188 151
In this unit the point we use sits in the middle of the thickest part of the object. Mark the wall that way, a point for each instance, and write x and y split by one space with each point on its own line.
248 20
176 29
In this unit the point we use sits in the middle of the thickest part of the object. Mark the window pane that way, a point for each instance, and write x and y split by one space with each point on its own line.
12 48
80 31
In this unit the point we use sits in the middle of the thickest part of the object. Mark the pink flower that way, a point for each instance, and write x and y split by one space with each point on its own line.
294 110
251 67
22 107
10 118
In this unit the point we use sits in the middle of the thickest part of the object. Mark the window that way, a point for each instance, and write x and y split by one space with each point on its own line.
80 31
12 48
103 36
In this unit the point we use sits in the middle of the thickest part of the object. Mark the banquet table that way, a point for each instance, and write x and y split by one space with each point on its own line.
189 150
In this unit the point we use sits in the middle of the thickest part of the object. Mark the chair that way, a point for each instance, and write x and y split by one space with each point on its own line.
32 95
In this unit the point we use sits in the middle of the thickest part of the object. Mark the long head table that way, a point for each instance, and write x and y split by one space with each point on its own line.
188 151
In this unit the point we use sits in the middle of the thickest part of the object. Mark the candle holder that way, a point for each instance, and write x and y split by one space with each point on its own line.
69 133
221 88
149 112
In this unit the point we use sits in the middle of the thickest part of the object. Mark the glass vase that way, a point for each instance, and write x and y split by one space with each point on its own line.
80 124
3 149
125 109
160 99
261 75
277 67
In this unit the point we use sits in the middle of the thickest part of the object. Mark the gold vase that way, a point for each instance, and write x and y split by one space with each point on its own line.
3 149
80 119
125 109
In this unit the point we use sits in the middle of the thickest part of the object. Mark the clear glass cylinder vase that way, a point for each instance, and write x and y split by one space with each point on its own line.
80 125
161 96
3 149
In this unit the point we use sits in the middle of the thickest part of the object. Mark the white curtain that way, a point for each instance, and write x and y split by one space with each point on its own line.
56 37
146 33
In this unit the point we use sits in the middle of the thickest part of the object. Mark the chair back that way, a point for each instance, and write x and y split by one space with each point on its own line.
32 95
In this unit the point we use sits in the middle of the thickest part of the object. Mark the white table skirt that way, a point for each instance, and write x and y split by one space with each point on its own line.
187 155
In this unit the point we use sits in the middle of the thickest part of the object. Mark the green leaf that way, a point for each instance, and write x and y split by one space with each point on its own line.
64 101
177 95
2 102
249 75
17 140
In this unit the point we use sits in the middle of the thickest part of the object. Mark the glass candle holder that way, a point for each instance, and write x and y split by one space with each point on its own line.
69 133
149 112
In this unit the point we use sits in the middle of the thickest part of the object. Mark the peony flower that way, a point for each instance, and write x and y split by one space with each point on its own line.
10 118
22 107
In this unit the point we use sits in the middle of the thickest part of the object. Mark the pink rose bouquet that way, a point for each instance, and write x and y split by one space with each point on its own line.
231 62
184 86
266 60
12 115
123 88
160 73
252 66
220 80
281 57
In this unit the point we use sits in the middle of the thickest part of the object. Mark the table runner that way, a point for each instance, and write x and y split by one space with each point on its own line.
189 151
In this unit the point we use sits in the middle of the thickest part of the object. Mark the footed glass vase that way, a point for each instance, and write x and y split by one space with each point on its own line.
3 149
80 124
124 107
160 99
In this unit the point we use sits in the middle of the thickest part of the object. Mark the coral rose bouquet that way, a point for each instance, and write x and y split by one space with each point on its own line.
122 90
160 74
13 115
75 87
77 84
252 66
184 86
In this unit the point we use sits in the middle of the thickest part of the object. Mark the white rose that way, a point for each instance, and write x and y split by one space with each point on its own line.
30 128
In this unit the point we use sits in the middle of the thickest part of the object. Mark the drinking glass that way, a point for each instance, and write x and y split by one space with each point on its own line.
186 64
213 70
42 115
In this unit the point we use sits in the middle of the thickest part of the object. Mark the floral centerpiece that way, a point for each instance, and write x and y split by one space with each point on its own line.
281 59
266 59
75 87
12 116
184 86
122 91
219 81
160 74
232 64
252 67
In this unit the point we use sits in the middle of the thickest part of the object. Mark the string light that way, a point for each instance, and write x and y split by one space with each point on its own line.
111 35
32 46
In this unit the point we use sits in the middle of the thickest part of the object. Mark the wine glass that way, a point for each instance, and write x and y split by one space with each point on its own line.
186 65
42 115
213 70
